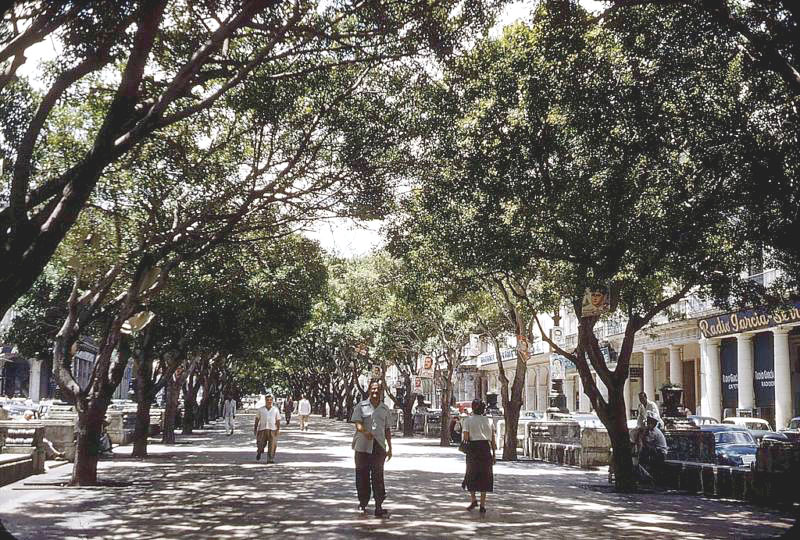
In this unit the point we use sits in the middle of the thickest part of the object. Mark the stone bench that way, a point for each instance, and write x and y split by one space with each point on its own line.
567 443
21 450
708 479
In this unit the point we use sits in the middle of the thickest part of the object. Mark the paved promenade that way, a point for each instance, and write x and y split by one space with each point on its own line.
210 486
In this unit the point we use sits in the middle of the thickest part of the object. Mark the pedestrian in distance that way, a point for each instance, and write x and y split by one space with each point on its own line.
479 436
372 443
304 410
229 414
266 429
288 409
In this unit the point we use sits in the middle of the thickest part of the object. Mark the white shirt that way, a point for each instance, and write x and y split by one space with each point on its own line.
478 426
229 408
268 418
641 418
375 420
304 407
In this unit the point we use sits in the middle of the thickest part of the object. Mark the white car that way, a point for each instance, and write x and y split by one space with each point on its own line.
758 427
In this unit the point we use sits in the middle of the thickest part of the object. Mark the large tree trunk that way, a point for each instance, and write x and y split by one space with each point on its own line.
141 431
87 451
189 410
617 425
612 413
144 387
172 391
511 417
447 392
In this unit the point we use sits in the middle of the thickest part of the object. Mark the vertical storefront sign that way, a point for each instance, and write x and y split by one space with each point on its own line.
764 363
730 373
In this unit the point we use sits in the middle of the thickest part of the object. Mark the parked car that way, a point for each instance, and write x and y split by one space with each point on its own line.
776 436
758 427
702 420
792 430
733 445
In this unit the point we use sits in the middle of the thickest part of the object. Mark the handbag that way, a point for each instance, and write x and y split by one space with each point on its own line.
463 446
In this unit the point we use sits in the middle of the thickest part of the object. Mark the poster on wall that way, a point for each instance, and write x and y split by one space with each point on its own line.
764 364
730 373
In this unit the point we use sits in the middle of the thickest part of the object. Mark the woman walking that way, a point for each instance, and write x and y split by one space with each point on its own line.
478 433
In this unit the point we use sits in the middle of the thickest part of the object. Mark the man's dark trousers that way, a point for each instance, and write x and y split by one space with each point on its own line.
369 470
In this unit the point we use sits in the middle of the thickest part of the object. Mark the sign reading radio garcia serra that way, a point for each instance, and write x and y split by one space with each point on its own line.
748 320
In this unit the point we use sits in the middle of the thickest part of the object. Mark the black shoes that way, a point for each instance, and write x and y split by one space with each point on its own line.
380 512
258 456
472 505
482 510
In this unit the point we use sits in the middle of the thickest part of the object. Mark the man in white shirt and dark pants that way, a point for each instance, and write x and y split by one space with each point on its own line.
304 411
228 414
266 429
372 443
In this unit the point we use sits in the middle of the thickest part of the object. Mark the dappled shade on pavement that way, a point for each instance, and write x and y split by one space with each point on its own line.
210 486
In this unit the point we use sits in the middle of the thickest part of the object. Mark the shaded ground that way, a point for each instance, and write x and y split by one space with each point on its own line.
210 486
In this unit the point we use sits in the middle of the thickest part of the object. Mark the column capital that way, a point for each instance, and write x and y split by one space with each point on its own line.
676 346
710 341
781 330
745 336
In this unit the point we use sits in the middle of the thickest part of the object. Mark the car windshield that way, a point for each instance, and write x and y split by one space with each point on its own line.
733 437
756 425
794 424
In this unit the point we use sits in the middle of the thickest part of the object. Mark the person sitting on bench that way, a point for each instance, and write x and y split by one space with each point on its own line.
654 448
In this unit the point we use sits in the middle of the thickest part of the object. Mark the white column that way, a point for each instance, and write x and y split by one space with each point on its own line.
35 379
649 379
583 400
675 365
569 391
710 379
783 378
745 369
626 394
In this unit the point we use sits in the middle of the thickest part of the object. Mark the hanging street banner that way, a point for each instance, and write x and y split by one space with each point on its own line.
425 369
748 320
595 303
416 387
376 372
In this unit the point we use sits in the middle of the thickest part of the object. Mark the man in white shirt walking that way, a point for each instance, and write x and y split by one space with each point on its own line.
228 414
372 443
304 411
266 429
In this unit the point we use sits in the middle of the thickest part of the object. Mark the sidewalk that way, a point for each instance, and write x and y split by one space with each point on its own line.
210 486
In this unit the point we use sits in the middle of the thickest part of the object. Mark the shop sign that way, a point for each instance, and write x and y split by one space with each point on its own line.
748 320
636 372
